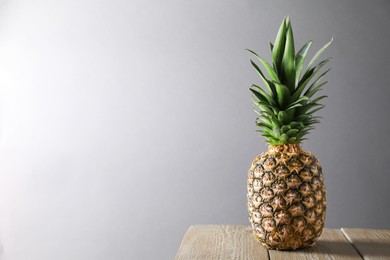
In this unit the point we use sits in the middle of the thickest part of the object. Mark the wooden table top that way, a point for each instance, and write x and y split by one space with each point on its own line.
237 242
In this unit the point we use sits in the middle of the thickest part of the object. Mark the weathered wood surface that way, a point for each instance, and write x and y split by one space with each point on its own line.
331 245
220 242
371 243
238 243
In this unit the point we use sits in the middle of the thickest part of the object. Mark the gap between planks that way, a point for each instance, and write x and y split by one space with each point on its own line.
370 243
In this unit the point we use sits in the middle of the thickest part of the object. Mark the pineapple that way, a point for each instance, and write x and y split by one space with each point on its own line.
286 191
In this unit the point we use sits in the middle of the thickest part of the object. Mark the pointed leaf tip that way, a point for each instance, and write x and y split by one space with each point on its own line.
279 43
318 54
288 60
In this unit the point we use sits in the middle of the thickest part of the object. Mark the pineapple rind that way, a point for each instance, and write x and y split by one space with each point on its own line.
286 198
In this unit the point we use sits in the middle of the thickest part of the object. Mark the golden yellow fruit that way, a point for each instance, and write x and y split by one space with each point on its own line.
286 198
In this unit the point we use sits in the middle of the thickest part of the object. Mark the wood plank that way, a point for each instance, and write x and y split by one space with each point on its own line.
371 243
220 242
331 245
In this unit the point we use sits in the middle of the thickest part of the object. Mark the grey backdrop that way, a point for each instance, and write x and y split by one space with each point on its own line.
125 122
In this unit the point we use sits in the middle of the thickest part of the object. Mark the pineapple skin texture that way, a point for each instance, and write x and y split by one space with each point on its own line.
286 198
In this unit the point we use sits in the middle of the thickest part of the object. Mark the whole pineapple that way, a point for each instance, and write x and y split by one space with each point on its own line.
286 191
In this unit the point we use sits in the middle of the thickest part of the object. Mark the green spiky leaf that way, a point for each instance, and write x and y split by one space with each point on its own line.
307 79
318 54
286 102
292 132
285 128
288 60
310 92
278 49
283 94
266 82
272 74
257 89
300 59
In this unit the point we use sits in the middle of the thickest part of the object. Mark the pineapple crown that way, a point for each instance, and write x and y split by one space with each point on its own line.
286 105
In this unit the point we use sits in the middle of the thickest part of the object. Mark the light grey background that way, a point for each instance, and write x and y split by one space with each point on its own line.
125 122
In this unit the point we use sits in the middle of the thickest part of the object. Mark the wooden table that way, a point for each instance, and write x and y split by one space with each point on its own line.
237 242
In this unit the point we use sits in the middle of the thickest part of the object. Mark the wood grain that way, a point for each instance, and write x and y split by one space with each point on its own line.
331 245
237 242
220 242
371 243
